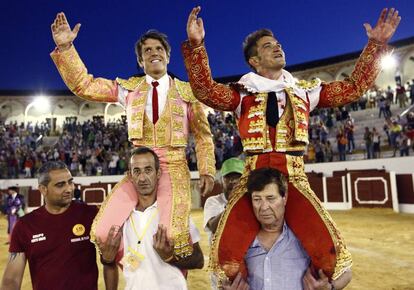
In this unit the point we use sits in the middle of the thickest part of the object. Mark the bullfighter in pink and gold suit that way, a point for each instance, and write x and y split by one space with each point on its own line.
179 113
272 110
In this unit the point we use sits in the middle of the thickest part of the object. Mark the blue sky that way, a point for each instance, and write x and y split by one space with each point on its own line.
308 30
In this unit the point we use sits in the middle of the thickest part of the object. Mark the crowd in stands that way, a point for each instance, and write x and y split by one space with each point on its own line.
225 138
88 149
92 148
336 125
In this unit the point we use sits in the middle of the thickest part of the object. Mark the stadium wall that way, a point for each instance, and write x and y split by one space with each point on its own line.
386 183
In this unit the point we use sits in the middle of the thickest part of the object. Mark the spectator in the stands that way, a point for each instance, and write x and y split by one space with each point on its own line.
376 139
363 101
401 97
310 153
368 143
381 107
349 132
328 151
412 92
342 141
404 145
410 119
410 134
319 151
372 98
396 130
389 93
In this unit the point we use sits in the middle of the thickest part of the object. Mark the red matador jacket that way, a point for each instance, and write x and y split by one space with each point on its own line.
281 148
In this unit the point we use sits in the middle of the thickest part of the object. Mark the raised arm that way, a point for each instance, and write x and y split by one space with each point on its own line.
71 68
13 273
368 66
206 90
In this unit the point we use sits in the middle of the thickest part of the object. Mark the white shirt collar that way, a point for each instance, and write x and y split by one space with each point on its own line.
152 206
164 81
255 83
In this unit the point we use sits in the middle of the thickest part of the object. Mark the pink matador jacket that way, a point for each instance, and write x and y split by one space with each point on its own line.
282 148
168 138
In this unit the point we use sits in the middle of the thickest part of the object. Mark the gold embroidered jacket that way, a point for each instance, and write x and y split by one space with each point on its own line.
183 112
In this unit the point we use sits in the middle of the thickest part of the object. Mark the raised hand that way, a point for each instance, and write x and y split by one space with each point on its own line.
195 27
61 32
386 26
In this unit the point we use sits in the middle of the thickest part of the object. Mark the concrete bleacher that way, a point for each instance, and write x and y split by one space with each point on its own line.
368 118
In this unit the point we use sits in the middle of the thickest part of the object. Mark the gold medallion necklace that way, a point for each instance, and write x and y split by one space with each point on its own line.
133 258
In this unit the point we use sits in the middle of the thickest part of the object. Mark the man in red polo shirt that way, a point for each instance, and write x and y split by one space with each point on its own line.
54 239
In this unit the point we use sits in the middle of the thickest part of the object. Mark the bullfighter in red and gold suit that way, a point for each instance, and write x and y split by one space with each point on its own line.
272 110
179 113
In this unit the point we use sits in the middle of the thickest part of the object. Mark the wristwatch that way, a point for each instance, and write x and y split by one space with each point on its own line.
107 263
173 257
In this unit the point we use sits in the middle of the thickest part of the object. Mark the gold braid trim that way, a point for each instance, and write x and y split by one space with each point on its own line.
238 191
130 84
298 178
301 119
181 203
184 89
176 135
101 211
308 85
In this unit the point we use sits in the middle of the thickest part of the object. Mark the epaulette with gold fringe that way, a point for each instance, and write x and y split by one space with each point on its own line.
184 89
309 85
130 84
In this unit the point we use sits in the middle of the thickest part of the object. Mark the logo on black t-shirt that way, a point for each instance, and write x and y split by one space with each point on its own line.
78 230
38 238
